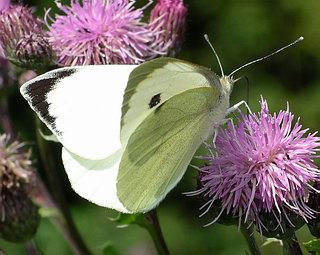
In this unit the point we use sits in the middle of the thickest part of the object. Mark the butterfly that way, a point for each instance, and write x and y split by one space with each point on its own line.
129 132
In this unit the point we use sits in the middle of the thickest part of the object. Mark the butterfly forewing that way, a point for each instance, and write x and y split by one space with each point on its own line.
153 83
81 106
160 149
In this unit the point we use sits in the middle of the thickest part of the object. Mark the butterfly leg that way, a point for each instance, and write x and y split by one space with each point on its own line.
215 134
236 106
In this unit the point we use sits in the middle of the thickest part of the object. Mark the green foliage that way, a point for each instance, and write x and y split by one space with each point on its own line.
313 246
109 249
124 220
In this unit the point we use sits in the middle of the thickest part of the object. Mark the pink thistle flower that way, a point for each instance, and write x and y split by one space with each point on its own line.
263 164
18 26
4 5
101 32
171 17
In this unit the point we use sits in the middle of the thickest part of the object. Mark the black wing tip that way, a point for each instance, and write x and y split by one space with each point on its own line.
36 93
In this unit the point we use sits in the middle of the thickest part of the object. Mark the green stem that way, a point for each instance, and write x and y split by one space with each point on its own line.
249 236
64 222
155 231
291 246
5 119
31 248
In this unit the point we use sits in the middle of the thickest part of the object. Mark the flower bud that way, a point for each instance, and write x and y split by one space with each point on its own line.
280 228
18 27
19 217
33 51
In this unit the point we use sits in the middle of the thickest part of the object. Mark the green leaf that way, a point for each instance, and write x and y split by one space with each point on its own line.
272 240
46 212
313 246
125 220
108 249
51 137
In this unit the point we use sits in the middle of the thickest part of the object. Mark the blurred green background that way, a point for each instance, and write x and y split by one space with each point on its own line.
240 30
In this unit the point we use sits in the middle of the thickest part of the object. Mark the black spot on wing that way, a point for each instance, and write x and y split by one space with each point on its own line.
38 92
156 99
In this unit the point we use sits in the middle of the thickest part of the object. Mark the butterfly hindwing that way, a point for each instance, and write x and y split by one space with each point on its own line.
94 180
160 149
81 106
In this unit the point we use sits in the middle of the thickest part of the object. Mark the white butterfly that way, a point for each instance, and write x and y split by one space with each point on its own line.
129 132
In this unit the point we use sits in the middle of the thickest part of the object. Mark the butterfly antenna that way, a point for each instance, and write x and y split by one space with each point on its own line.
206 37
268 56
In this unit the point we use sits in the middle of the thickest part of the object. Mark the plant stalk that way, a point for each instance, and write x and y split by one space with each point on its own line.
291 246
5 120
156 233
249 236
31 248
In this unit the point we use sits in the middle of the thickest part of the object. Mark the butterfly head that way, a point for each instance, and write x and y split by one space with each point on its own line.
227 84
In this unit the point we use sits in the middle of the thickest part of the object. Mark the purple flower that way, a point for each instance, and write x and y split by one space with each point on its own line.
171 17
18 26
4 5
33 51
101 32
263 164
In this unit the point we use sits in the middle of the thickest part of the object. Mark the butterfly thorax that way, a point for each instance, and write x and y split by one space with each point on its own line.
223 101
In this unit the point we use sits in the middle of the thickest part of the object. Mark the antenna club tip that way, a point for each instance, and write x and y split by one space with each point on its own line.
206 37
301 38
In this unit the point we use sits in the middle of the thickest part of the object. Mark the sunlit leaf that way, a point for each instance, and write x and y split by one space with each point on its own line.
313 246
51 138
125 220
271 241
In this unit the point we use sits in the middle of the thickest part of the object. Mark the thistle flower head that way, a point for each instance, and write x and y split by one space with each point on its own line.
19 217
171 17
17 24
263 164
4 5
101 32
33 51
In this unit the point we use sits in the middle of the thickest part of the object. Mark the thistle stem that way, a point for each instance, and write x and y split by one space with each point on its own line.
291 246
31 248
154 230
249 236
5 119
